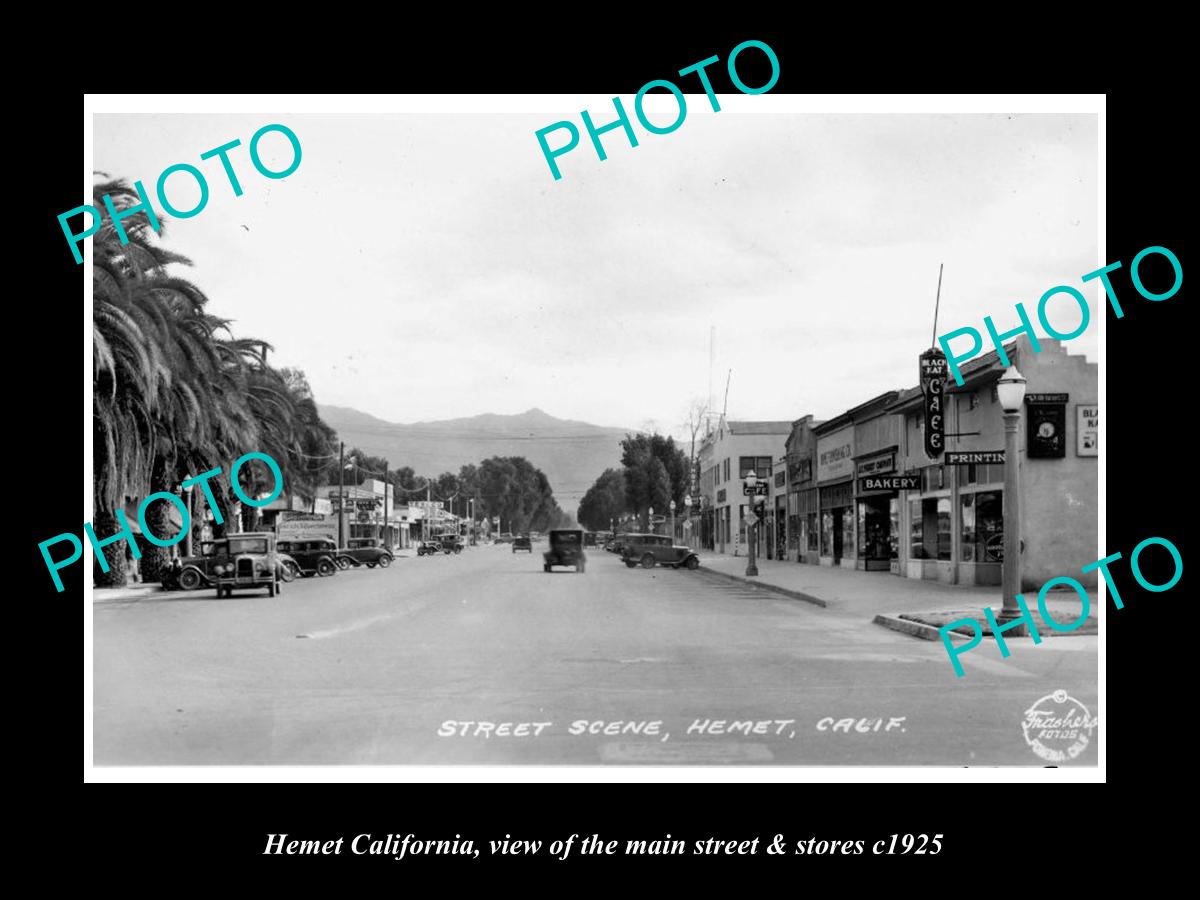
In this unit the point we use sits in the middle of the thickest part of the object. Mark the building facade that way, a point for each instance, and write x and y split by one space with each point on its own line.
803 508
953 526
727 455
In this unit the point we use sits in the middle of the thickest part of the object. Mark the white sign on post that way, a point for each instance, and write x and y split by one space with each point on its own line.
1087 429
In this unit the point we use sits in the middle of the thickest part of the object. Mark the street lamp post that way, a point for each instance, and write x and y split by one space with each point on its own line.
672 521
1011 391
687 506
341 494
650 521
751 568
187 538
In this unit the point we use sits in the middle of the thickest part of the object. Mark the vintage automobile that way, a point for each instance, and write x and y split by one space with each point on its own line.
369 552
522 543
188 573
616 544
589 539
428 548
566 549
246 561
649 550
314 556
451 543
289 569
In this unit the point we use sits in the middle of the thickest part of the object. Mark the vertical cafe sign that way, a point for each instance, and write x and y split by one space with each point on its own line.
933 386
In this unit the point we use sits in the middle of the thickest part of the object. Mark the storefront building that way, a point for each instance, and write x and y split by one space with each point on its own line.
876 501
803 508
952 526
835 485
727 456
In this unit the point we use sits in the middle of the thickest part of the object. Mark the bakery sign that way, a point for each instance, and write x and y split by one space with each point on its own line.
835 454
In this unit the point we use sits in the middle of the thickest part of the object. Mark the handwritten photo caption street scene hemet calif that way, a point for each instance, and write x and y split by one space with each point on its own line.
655 463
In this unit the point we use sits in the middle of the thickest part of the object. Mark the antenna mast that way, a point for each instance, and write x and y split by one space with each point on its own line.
936 303
725 406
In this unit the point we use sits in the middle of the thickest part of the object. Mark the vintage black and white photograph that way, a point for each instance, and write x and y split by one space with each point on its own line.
478 434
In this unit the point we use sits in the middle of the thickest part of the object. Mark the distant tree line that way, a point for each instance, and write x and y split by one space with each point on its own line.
654 472
510 487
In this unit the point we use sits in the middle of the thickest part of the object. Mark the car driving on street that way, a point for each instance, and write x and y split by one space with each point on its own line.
566 549
649 550
522 543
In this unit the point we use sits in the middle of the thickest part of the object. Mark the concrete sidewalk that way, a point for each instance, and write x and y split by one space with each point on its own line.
923 604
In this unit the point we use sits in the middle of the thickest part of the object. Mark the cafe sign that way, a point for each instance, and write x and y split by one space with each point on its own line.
933 386
1087 429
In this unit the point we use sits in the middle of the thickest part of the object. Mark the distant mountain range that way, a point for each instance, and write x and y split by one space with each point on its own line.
572 454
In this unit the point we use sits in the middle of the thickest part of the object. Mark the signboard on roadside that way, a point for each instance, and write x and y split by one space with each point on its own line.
933 385
302 526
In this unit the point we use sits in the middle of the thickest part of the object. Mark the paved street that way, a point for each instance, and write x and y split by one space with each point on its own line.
367 666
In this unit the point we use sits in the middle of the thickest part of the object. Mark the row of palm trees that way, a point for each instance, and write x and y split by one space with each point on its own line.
176 394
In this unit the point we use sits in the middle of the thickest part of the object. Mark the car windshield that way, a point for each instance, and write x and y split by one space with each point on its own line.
247 545
565 537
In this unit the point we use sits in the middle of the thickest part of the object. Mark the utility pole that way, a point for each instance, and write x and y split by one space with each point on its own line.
385 540
341 493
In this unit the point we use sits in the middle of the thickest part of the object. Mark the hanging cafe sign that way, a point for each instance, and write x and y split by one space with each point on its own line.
933 385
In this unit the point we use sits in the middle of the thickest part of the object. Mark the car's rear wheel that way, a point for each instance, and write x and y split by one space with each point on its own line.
693 563
325 568
648 561
189 579
385 561
342 563
629 563
370 565
545 567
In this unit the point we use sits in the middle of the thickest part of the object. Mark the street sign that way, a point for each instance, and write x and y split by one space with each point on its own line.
1046 398
759 489
974 457
890 483
933 383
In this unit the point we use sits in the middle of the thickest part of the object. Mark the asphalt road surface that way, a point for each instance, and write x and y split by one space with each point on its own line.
482 658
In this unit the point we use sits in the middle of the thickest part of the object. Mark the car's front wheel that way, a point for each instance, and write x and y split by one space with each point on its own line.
271 589
385 561
693 563
648 561
326 568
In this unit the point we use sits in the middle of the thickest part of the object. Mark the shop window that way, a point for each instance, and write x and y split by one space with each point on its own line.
933 478
827 533
847 531
982 526
894 530
929 534
875 523
813 533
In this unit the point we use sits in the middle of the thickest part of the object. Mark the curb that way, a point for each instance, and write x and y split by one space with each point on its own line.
916 629
766 586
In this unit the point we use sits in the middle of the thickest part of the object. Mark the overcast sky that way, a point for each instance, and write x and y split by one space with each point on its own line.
422 267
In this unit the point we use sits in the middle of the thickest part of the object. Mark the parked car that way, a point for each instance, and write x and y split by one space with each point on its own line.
289 569
370 552
451 543
522 543
428 548
616 545
566 549
316 556
190 572
649 550
246 560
